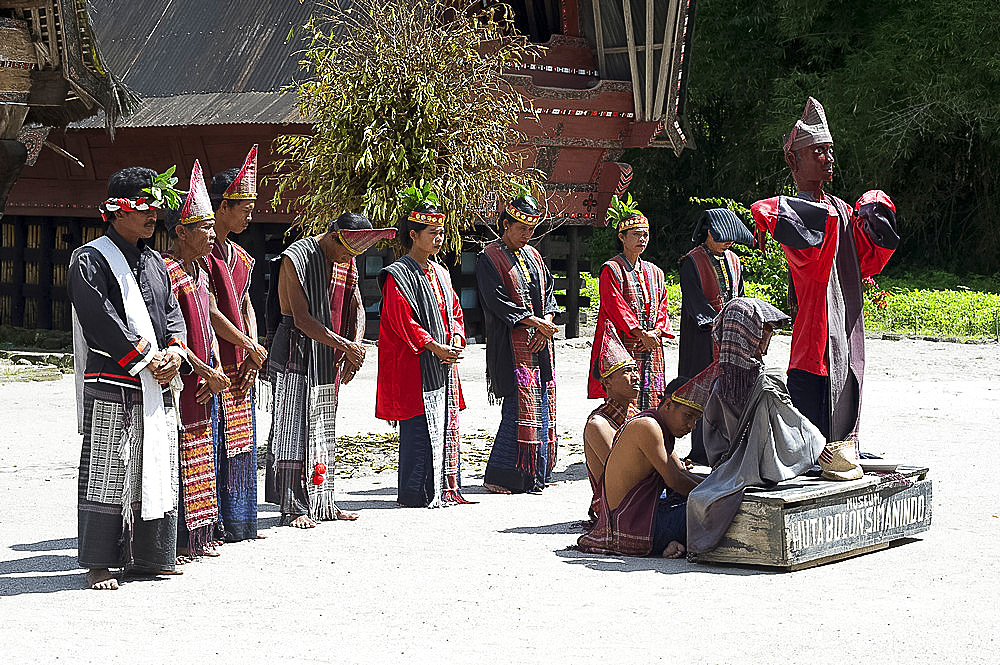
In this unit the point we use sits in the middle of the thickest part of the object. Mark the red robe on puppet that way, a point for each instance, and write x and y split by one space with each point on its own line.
828 256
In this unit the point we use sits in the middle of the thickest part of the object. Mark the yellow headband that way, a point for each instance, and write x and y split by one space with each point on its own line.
686 402
428 218
521 216
614 368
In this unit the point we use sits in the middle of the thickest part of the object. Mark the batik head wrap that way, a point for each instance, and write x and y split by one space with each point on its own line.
810 129
737 332
724 225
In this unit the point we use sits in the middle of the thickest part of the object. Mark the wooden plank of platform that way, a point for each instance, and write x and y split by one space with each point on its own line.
808 521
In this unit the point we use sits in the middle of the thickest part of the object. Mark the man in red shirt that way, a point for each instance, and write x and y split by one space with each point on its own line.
830 248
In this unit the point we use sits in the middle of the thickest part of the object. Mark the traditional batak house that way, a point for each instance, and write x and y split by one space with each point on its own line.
210 77
51 74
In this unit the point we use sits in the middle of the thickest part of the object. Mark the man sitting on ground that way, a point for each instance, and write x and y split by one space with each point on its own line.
618 374
633 519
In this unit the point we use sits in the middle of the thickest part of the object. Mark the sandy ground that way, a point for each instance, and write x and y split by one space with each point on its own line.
499 581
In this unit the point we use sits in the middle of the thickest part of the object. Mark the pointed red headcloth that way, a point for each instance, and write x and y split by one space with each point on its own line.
245 184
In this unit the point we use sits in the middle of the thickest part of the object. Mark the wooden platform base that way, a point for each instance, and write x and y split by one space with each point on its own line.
807 521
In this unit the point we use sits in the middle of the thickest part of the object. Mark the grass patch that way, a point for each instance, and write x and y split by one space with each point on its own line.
946 309
933 303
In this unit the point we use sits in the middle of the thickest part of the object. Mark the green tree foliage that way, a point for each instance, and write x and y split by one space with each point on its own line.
404 91
910 90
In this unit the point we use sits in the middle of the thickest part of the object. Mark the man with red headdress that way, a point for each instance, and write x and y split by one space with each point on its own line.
516 294
830 248
192 235
315 324
234 193
615 368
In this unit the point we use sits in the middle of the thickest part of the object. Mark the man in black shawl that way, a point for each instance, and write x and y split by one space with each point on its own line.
711 276
515 291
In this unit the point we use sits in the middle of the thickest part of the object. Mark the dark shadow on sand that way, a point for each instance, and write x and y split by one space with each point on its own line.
368 505
627 564
46 545
267 522
43 563
576 526
379 491
16 586
575 471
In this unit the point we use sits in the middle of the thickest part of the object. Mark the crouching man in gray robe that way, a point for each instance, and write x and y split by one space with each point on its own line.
753 435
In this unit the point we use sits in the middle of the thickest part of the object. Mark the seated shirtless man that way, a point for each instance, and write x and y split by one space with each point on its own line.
618 374
632 518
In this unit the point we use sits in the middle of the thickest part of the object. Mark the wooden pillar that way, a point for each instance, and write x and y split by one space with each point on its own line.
46 245
17 277
573 283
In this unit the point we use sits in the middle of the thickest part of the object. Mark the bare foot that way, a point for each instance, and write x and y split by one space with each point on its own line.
260 536
101 579
183 559
302 522
345 515
496 489
210 551
674 550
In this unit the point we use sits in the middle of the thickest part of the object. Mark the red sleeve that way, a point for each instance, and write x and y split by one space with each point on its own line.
870 235
613 303
765 213
398 316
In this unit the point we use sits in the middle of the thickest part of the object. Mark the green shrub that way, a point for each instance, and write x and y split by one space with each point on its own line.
951 310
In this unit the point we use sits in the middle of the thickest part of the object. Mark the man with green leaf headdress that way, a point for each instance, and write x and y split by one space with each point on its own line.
516 294
129 343
634 301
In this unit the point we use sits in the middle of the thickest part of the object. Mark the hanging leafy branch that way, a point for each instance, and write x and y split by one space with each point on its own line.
403 91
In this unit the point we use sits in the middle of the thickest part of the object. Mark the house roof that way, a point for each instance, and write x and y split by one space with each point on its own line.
198 62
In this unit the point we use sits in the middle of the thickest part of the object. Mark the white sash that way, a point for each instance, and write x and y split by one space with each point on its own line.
157 492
